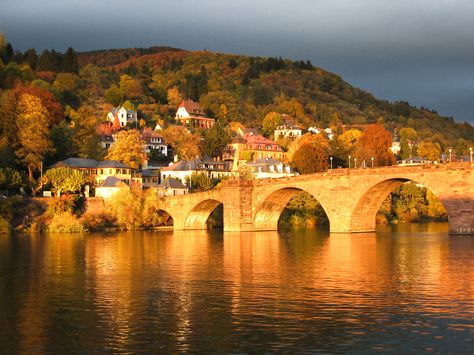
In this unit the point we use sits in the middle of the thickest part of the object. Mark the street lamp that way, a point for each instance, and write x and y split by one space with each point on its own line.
450 150
470 155
330 158
349 161
355 163
372 161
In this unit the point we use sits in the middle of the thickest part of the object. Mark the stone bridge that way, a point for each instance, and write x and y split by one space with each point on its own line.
350 198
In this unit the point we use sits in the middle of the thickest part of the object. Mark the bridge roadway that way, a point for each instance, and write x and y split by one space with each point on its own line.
350 198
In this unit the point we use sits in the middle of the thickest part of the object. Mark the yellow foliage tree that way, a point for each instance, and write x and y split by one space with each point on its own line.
128 148
33 133
184 143
349 138
174 97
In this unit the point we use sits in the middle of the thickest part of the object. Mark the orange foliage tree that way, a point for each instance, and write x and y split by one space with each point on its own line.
311 154
375 142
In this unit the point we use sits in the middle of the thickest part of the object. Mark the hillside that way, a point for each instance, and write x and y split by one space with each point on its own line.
245 89
81 87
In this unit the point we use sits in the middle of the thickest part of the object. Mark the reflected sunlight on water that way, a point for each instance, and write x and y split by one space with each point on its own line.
405 289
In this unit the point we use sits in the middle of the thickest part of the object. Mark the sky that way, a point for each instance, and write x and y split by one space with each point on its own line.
420 51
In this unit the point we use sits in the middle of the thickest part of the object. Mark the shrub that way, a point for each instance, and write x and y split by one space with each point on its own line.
97 221
65 203
126 208
66 222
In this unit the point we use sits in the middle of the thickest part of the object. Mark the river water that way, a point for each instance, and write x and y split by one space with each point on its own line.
407 289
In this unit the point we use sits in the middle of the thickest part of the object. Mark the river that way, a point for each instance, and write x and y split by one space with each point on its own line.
405 289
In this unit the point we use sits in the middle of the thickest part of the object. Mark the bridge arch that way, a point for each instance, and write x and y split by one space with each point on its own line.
199 214
269 211
164 217
364 212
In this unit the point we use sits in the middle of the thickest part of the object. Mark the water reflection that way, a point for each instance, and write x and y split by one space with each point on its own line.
406 290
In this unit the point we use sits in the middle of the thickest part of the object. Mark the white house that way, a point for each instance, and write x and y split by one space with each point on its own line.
287 131
110 187
154 141
266 168
123 115
183 169
327 131
396 147
171 187
190 112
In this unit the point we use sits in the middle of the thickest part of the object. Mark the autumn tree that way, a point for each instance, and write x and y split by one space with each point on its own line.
53 107
429 150
64 179
310 158
128 149
174 97
33 133
349 139
184 143
271 121
375 142
130 87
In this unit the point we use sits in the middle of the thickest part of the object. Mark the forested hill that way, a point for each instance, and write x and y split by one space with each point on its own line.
245 89
229 87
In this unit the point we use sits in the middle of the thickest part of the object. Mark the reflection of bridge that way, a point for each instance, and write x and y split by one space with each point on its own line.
350 198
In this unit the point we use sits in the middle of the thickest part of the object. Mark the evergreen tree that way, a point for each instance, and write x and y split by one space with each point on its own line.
69 61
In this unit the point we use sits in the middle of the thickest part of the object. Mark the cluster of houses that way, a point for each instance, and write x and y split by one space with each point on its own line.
264 157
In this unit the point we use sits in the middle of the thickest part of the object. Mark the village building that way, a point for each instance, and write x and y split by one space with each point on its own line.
287 131
265 168
191 113
110 187
150 178
251 146
154 142
183 169
396 147
171 187
122 116
101 170
327 131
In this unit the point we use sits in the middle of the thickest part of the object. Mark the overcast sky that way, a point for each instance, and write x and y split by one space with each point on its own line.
421 51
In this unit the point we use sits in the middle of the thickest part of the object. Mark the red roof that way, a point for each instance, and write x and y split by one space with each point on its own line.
192 107
258 139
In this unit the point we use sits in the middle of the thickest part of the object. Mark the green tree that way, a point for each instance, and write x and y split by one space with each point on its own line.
215 139
84 122
65 179
199 182
114 95
128 148
31 58
10 179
